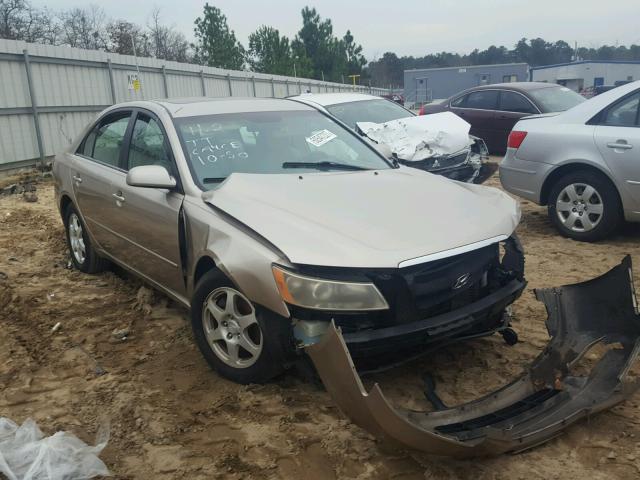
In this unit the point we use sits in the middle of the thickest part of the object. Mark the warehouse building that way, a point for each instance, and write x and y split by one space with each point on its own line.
425 85
580 75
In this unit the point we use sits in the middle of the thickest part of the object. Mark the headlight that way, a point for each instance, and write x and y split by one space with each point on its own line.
321 294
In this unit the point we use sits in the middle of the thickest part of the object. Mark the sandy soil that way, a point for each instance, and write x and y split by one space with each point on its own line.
172 417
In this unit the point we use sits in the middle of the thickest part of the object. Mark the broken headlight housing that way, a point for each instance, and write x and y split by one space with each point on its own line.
320 294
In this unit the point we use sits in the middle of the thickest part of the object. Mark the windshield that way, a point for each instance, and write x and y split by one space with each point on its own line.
376 111
556 99
270 142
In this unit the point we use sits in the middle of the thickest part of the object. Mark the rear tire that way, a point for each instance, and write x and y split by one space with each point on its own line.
585 206
83 256
243 342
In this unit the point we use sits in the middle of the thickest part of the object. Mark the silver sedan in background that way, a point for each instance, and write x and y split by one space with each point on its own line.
584 164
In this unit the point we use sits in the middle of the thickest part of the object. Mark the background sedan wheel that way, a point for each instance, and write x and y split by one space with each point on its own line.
584 205
579 207
231 328
242 341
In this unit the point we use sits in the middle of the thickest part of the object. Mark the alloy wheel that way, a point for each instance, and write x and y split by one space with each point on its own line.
76 239
231 327
579 207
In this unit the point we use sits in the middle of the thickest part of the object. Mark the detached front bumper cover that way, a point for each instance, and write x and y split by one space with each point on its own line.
532 409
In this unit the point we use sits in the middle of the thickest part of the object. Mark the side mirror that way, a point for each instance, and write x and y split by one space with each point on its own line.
150 176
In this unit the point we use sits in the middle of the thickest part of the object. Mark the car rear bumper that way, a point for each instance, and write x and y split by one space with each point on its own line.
523 177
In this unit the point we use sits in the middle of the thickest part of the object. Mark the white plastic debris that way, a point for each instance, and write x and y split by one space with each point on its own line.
26 455
56 327
421 137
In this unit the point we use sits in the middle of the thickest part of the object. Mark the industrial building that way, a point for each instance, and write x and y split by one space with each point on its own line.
589 73
427 84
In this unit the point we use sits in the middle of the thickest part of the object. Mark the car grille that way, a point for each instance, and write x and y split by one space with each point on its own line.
421 291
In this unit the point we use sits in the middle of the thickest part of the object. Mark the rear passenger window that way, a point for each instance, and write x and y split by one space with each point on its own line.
624 113
514 102
104 143
482 99
148 144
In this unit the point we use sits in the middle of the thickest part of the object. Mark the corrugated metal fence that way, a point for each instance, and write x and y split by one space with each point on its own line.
48 93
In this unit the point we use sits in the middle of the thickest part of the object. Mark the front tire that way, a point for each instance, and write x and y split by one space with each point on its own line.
584 206
83 256
243 342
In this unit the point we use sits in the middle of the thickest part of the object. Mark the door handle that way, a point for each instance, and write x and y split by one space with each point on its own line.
620 144
118 196
77 179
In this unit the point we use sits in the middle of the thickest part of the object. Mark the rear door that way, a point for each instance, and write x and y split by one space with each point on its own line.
96 166
148 219
479 109
512 106
617 136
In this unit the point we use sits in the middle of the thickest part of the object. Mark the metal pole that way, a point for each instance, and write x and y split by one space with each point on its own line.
34 106
111 84
253 81
204 87
230 87
273 88
164 80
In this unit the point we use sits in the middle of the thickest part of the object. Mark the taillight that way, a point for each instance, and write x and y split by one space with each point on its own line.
421 111
515 139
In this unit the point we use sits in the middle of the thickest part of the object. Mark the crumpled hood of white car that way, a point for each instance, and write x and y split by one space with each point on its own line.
365 218
418 138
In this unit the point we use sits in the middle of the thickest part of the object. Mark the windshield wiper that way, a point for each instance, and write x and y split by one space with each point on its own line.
322 165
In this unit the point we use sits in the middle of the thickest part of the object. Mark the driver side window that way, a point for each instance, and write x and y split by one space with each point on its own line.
148 144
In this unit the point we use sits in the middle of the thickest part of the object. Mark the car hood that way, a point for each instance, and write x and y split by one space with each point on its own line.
366 218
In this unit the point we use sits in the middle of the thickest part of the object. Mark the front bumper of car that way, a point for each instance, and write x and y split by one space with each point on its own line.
427 308
534 408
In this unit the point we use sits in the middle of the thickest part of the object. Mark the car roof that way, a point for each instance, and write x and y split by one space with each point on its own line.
327 99
190 107
515 86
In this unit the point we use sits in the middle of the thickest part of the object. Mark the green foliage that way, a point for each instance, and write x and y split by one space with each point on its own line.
316 48
269 52
216 45
389 69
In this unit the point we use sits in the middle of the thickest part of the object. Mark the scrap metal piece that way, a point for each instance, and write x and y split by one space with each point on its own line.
531 410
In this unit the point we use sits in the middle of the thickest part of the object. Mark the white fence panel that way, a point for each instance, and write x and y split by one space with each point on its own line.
48 94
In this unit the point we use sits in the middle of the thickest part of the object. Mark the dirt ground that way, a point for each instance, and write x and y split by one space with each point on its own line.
171 417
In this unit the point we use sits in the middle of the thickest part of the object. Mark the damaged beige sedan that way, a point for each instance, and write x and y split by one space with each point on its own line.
274 225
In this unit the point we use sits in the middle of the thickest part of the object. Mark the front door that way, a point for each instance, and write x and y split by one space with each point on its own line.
617 136
148 219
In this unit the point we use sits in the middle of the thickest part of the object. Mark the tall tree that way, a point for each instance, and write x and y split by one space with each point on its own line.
84 28
166 42
216 45
124 35
269 52
316 42
355 59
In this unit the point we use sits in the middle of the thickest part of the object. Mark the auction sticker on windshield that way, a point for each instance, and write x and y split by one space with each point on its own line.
320 138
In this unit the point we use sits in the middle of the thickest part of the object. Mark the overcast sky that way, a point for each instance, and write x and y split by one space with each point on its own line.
409 27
